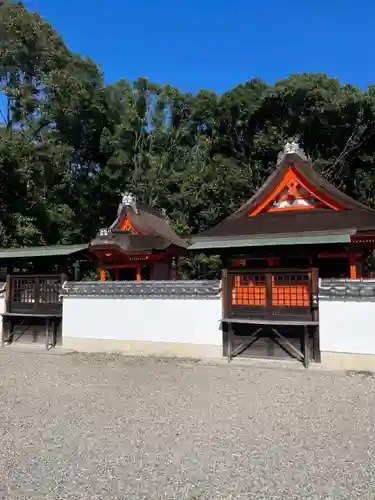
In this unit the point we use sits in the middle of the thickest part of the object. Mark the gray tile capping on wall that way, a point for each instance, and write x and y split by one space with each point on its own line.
143 289
347 289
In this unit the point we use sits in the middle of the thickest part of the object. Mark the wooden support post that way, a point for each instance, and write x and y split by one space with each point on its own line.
11 331
316 345
54 332
353 265
224 294
76 271
230 341
8 293
117 274
306 352
7 323
47 334
102 275
177 275
139 273
359 266
315 314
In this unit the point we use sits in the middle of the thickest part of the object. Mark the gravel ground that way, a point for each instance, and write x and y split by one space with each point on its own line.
89 426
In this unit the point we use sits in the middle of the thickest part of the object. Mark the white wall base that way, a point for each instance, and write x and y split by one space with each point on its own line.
347 361
134 348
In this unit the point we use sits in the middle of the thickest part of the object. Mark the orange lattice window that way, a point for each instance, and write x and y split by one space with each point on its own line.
290 290
249 290
287 290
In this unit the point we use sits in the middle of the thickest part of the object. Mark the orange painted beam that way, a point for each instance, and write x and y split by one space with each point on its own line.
102 275
353 265
293 207
139 273
292 175
126 225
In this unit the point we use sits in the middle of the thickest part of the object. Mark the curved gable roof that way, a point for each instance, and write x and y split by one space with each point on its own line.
152 227
303 166
346 215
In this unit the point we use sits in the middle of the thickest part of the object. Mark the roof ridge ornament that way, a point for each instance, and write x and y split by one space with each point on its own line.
292 147
128 200
104 231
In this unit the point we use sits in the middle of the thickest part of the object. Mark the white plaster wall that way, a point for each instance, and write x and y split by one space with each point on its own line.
347 326
2 302
191 321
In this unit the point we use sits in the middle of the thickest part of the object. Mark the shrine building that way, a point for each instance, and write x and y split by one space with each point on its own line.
296 229
139 245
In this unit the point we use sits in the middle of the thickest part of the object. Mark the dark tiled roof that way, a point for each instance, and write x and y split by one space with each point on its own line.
156 234
149 222
143 289
347 289
128 242
41 251
305 168
294 222
355 215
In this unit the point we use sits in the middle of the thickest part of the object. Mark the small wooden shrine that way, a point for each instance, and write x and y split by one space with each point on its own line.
295 229
140 244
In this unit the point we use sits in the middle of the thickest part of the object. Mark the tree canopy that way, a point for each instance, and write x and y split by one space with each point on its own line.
70 144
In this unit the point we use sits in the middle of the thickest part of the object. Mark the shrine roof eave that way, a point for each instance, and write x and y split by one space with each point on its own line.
129 244
133 252
317 238
41 251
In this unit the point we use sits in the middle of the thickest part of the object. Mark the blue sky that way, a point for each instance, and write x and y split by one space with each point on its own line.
215 45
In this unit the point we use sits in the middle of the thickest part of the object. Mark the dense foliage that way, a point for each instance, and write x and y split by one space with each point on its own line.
70 144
